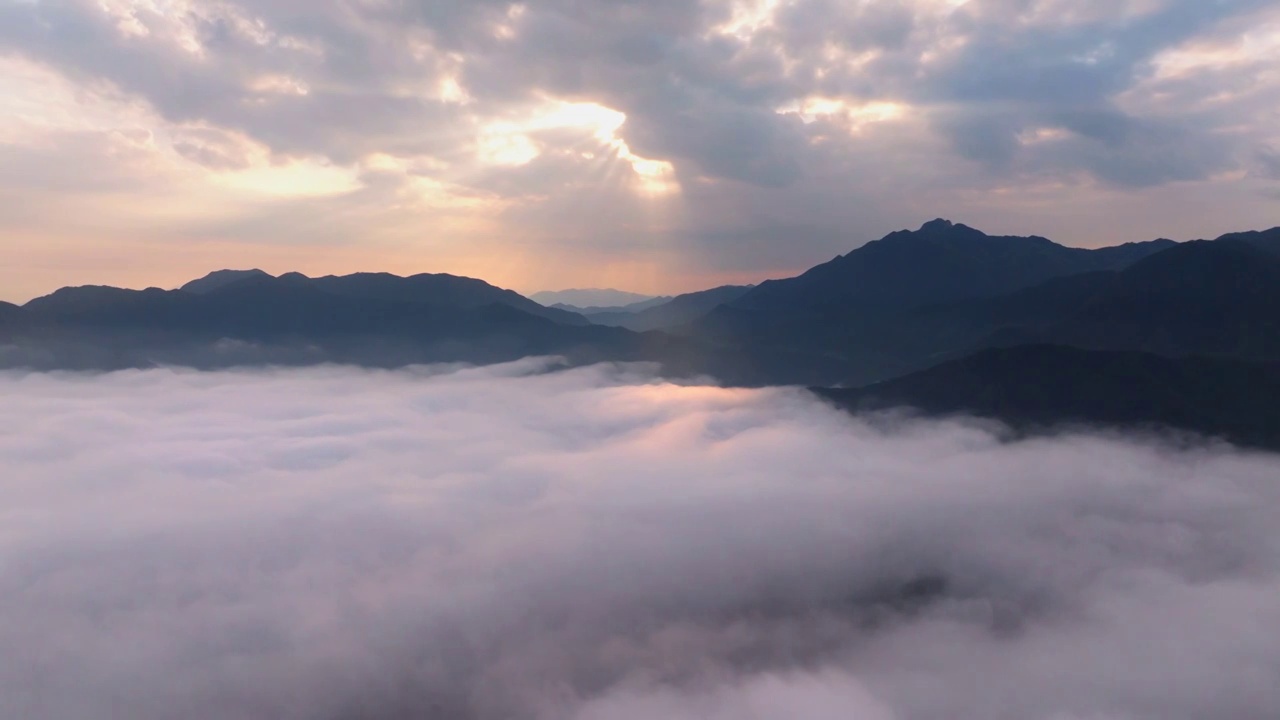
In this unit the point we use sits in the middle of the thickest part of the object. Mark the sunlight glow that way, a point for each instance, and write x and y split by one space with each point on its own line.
748 17
513 143
506 29
1259 45
279 85
855 115
297 179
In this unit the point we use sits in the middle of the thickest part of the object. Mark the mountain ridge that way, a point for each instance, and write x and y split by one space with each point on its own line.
589 297
942 261
676 311
1037 389
383 319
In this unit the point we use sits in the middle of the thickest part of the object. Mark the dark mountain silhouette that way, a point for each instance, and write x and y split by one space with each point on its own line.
679 310
1212 298
940 262
219 278
1206 297
431 289
11 318
264 307
1268 240
439 289
1036 388
290 319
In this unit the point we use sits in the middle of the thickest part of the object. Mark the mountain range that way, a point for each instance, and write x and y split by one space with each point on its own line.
589 298
944 318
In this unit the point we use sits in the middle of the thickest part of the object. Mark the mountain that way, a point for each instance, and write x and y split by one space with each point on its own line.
296 320
294 303
630 308
677 311
1268 240
220 278
1218 297
10 315
940 262
1213 298
290 319
1042 387
590 297
431 289
439 289
1205 297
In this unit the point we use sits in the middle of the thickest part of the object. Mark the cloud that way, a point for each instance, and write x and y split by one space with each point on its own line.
599 545
995 104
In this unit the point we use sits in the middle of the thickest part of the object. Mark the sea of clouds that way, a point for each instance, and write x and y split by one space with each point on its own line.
596 544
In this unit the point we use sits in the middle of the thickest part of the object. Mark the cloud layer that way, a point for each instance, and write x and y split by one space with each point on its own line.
661 145
598 545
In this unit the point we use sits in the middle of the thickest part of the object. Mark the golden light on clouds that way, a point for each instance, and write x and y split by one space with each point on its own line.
852 114
747 17
513 143
504 139
1258 45
279 85
293 178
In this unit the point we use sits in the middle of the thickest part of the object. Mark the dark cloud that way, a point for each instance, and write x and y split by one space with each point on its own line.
594 544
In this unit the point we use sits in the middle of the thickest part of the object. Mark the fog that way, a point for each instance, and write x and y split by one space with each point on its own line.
596 544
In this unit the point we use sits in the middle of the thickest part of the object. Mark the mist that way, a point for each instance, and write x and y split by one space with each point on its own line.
598 544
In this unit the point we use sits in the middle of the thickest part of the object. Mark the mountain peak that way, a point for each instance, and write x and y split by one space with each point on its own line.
942 228
220 278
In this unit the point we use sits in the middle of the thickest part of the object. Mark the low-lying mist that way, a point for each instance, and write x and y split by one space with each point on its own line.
595 544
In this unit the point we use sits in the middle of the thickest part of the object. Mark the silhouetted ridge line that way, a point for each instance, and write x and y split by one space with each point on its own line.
220 278
1042 387
908 302
940 262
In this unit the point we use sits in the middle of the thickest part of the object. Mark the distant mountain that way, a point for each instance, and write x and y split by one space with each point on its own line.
439 289
296 320
631 308
220 278
590 297
288 320
679 310
940 262
1213 298
1042 387
432 289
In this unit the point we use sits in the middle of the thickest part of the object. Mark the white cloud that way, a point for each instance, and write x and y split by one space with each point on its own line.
595 544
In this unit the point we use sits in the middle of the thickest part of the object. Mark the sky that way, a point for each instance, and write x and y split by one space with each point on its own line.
597 544
656 146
